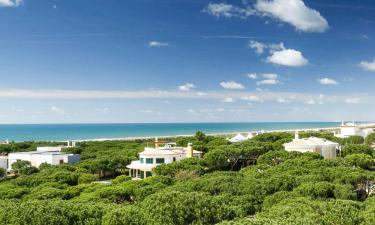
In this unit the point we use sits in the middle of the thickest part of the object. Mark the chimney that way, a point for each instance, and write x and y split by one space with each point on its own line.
296 135
156 143
189 151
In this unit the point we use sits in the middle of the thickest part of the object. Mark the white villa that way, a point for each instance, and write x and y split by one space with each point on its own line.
240 138
4 162
51 155
352 129
325 148
152 157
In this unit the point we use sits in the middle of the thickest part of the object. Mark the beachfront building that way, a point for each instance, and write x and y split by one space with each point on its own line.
352 129
4 162
152 157
51 155
325 148
240 138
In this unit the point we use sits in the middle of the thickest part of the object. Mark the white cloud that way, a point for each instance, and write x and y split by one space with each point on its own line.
327 81
259 95
228 100
102 110
271 76
311 102
269 79
288 57
228 11
186 87
257 46
370 66
10 3
253 76
352 100
251 98
201 93
232 85
158 44
295 13
267 82
57 110
282 100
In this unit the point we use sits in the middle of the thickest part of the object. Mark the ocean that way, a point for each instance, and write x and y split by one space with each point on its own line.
63 132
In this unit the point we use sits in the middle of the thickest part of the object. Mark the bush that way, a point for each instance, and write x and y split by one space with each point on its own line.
360 160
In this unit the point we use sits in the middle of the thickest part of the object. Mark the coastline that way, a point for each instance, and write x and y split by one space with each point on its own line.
209 134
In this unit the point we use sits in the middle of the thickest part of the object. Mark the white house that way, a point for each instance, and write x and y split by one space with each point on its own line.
4 162
352 129
50 155
240 138
152 157
325 148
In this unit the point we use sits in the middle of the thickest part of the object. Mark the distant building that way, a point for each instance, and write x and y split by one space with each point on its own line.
352 129
240 138
152 157
4 162
51 155
6 142
325 148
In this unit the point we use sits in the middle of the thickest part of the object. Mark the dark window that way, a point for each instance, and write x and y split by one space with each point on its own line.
149 160
61 161
159 160
142 174
141 160
148 173
174 159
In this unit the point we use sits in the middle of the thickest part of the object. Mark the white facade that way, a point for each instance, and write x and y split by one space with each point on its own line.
4 162
325 148
50 149
240 138
152 157
351 129
36 158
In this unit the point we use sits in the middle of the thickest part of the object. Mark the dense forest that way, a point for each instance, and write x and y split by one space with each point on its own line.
254 182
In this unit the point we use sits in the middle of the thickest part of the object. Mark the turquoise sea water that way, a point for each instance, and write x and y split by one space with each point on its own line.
60 132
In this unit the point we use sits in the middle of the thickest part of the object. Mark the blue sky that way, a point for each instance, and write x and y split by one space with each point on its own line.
69 61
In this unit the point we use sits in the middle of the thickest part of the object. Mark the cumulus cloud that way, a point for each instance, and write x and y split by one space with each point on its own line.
259 47
279 54
282 100
288 57
251 98
10 3
295 13
369 66
186 87
327 81
158 44
253 76
270 79
231 85
352 100
228 100
228 11
57 110
311 102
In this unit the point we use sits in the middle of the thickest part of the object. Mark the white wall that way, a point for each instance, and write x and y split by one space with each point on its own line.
49 149
4 162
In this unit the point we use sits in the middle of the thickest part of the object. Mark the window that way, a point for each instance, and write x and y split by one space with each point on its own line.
141 160
174 159
149 161
148 173
142 174
159 160
61 161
